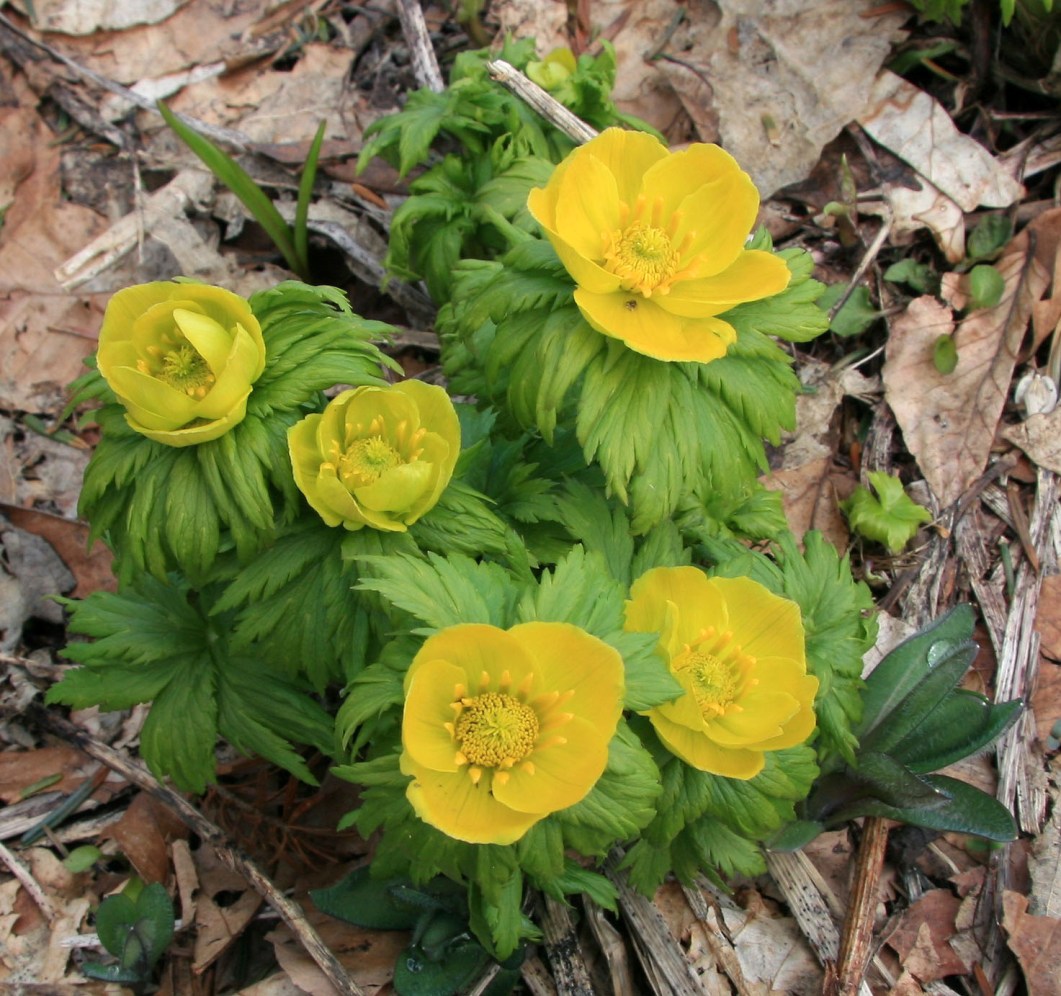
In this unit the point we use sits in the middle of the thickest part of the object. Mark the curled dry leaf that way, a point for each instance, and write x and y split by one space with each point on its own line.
919 130
949 420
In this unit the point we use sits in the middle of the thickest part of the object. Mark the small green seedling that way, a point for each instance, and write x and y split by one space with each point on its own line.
855 316
986 287
291 241
889 517
919 277
135 926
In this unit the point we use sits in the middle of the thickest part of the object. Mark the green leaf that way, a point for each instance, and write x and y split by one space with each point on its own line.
905 666
960 726
893 783
857 313
239 181
443 591
114 918
417 974
986 287
919 277
945 354
305 192
968 810
463 522
360 899
890 517
82 858
991 233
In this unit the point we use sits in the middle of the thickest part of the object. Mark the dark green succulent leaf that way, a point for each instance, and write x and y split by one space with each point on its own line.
794 836
903 668
360 899
890 782
916 711
417 974
967 810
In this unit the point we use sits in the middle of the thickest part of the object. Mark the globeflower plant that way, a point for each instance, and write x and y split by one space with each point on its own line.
738 652
377 456
503 727
655 241
182 358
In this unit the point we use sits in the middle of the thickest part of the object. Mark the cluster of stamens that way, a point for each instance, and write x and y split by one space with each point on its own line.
642 250
177 363
497 730
369 452
720 672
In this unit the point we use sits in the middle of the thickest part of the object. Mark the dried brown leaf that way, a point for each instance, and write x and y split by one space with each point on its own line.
949 420
143 833
1036 941
921 934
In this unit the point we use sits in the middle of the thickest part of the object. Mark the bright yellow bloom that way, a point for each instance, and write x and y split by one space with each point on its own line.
181 357
377 456
655 241
504 727
738 651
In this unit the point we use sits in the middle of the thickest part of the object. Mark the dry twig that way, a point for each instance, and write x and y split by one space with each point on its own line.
546 105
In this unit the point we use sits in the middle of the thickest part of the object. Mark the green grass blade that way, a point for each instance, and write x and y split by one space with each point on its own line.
236 178
305 190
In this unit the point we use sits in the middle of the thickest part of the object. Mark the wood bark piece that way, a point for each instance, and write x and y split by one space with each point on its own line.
290 912
414 27
546 105
570 973
661 957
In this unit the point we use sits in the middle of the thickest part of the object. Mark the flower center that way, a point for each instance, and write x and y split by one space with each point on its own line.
495 730
184 369
366 460
643 257
719 670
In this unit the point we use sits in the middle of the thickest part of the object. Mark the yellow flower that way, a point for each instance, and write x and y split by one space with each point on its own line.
738 651
377 456
504 727
655 242
181 357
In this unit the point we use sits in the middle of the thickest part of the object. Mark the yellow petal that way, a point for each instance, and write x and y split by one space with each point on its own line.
763 716
753 275
562 774
695 597
764 624
697 750
627 155
193 435
680 174
435 410
802 725
646 328
475 648
212 342
684 710
568 659
428 708
462 810
152 403
588 206
396 489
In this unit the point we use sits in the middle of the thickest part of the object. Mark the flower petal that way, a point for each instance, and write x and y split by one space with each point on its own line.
397 488
674 177
753 275
151 402
646 328
714 221
802 725
568 659
475 648
703 754
562 774
211 341
696 598
194 434
590 201
428 707
463 810
764 624
763 716
627 155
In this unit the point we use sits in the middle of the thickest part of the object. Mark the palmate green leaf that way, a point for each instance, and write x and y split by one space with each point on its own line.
579 590
377 690
708 845
463 522
890 516
153 643
443 591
